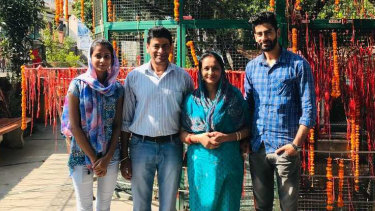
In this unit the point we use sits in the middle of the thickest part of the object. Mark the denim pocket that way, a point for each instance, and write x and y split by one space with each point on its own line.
134 141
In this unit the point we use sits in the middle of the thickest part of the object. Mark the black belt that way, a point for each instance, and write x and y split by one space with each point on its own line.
158 139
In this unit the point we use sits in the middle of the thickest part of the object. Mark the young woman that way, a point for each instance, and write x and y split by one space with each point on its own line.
92 118
215 118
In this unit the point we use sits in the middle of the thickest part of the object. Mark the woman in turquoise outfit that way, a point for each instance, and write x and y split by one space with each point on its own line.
215 118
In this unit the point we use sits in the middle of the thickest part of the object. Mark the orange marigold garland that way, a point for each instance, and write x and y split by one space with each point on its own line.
190 44
109 8
340 201
329 186
23 99
176 10
171 55
115 47
61 8
57 12
294 40
66 11
82 11
311 152
297 5
336 74
272 5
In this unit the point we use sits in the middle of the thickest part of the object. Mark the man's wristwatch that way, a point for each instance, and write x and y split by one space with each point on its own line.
297 148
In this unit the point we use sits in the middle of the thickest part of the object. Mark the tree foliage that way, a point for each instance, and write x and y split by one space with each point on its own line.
20 20
59 54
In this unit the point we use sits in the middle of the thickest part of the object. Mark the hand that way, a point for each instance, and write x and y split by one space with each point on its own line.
206 141
126 169
288 149
218 136
100 166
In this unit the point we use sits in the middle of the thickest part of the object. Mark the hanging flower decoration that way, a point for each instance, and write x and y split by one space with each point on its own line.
82 11
23 98
272 6
340 201
311 152
297 5
176 10
61 8
109 8
294 40
115 47
336 74
57 12
171 55
66 11
329 187
190 44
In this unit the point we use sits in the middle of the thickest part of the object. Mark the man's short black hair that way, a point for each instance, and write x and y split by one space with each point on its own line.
264 17
159 32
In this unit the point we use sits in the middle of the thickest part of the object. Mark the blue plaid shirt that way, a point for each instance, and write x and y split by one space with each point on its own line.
281 97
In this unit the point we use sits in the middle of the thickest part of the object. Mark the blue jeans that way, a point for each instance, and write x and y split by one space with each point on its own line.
147 158
263 168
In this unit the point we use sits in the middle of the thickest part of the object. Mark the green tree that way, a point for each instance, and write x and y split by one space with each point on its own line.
59 54
20 19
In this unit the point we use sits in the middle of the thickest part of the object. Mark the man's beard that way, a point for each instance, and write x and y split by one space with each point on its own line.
270 47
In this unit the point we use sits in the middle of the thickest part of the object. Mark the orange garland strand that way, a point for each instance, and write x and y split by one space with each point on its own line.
110 14
190 44
294 40
82 11
23 99
66 11
272 5
57 12
176 10
297 5
336 74
311 153
340 201
329 187
61 8
171 55
115 47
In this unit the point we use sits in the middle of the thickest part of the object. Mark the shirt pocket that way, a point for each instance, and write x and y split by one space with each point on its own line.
285 87
173 97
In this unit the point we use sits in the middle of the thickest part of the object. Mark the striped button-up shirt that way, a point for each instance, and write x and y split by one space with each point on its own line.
282 97
152 104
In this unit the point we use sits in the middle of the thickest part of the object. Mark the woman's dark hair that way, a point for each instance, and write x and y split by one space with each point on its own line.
264 17
104 43
159 32
213 54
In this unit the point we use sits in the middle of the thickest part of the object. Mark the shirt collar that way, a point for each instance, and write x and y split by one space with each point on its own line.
149 69
282 58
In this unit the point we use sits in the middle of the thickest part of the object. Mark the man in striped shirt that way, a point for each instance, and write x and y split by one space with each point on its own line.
280 89
152 104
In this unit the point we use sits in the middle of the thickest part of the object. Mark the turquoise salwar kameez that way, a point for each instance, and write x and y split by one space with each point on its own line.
215 175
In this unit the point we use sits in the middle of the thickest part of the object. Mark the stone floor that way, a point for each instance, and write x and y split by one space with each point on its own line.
36 177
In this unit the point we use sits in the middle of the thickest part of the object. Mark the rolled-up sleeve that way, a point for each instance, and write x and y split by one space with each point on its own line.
129 105
307 95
